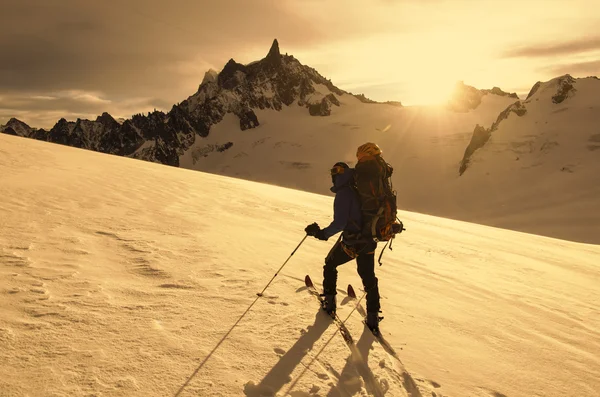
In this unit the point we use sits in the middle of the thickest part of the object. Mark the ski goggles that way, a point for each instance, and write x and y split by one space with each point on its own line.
338 169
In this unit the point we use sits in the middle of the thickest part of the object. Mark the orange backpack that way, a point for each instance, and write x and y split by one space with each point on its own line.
373 183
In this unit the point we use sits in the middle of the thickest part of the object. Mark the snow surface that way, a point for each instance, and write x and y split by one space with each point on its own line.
123 277
425 145
546 164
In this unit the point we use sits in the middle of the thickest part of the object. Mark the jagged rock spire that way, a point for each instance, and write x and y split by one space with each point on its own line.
274 51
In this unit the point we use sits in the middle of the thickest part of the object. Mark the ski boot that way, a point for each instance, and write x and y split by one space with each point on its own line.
328 304
372 322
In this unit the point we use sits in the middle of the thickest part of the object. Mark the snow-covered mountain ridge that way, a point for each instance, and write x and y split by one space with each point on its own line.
281 122
270 83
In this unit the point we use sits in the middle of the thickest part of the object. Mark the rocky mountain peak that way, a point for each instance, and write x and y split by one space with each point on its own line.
274 51
272 82
107 122
273 59
15 126
14 122
466 97
210 76
560 88
227 78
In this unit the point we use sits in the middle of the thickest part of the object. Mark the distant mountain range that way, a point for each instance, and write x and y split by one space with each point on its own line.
487 156
270 83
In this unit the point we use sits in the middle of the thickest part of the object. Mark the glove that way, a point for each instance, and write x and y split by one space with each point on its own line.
321 235
312 230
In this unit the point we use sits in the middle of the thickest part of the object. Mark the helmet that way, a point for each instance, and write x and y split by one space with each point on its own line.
339 168
368 149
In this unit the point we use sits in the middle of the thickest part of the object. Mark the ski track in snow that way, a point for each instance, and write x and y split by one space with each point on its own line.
122 277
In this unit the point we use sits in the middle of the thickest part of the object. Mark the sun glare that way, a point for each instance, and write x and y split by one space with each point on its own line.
432 92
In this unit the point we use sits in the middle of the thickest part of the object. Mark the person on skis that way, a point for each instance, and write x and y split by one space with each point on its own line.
347 219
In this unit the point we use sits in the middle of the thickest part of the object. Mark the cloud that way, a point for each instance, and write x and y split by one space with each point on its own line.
579 69
41 97
131 52
43 110
82 96
128 48
578 46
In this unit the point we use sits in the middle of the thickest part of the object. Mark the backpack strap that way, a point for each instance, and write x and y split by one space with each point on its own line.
374 222
390 241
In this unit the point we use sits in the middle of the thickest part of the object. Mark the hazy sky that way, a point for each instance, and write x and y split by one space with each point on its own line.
74 58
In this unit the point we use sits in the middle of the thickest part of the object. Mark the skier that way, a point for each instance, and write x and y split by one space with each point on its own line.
347 219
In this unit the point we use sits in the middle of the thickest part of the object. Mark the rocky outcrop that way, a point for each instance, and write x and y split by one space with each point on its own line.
394 103
560 88
534 89
363 98
248 119
499 92
466 97
9 131
61 133
323 108
565 89
17 127
481 135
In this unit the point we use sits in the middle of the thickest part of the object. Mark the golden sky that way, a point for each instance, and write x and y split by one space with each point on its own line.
67 58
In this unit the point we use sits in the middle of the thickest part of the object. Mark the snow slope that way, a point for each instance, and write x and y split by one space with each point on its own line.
544 162
425 145
541 172
123 277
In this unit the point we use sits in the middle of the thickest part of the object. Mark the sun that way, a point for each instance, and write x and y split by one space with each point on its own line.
431 91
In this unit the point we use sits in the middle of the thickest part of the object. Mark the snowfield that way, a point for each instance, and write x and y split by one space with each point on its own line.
538 173
121 277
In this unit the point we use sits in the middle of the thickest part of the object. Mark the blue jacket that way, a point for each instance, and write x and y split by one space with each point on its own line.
346 207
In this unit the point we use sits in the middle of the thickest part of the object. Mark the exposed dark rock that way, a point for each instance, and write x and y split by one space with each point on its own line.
323 108
534 89
229 77
394 103
481 135
248 119
41 134
565 89
320 109
466 97
107 121
518 108
363 98
332 99
270 83
224 147
273 59
9 131
499 92
61 132
16 127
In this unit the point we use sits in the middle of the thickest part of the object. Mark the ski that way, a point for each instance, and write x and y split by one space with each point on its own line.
340 324
378 335
357 358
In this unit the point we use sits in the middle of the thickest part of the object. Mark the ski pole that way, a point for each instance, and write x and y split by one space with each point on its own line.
286 261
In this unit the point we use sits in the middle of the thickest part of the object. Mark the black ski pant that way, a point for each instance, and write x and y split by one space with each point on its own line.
365 260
